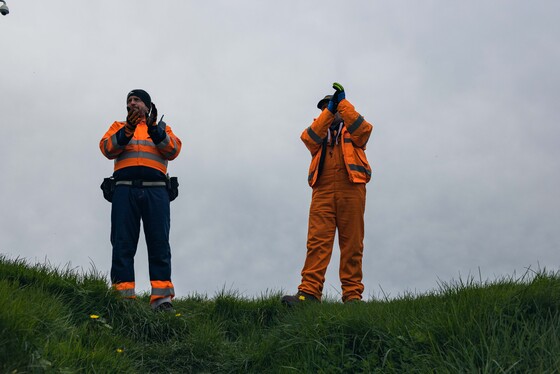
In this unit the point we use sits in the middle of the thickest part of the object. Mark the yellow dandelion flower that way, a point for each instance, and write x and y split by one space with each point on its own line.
178 315
94 316
120 350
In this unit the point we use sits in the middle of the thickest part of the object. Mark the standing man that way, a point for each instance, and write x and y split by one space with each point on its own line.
338 174
141 148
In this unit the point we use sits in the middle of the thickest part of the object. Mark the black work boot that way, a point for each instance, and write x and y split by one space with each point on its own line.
165 307
298 298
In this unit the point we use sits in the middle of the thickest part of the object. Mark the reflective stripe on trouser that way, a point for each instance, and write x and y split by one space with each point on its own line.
130 206
162 289
339 204
125 289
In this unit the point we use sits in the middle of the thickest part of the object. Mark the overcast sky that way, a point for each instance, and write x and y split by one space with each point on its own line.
464 98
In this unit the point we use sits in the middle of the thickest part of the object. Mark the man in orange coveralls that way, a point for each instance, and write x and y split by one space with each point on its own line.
338 174
141 148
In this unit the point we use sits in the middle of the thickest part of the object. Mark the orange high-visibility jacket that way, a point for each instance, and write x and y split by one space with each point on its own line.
141 150
354 136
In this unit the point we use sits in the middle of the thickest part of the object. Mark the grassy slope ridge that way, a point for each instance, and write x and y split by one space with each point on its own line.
46 325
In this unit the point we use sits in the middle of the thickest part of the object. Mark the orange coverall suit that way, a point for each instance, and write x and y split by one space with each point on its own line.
338 173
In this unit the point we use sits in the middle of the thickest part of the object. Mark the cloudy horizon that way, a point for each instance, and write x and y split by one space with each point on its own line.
463 98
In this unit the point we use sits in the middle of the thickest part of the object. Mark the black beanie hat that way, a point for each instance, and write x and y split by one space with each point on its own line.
142 95
324 100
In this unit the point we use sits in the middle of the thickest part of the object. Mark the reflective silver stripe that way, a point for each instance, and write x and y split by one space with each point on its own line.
310 177
316 138
143 183
359 168
356 124
127 293
148 143
164 143
174 150
163 292
149 156
114 143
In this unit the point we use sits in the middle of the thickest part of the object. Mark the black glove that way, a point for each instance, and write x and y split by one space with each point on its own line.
157 132
132 120
152 117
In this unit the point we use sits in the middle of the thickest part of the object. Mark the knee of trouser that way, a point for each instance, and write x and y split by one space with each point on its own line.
124 248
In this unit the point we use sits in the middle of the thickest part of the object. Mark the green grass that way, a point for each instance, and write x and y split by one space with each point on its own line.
505 326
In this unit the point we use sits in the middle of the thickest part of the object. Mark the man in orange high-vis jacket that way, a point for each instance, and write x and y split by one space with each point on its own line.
141 148
338 174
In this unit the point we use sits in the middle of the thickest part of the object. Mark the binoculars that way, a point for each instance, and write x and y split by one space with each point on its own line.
4 8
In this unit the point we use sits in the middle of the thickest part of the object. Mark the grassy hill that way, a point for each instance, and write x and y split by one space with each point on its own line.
58 321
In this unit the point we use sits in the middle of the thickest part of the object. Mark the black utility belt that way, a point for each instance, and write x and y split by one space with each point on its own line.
141 183
109 184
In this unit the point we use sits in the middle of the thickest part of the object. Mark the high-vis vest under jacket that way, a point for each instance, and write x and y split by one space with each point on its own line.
140 150
355 135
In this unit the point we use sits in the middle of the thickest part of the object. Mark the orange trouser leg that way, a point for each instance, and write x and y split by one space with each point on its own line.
351 202
320 239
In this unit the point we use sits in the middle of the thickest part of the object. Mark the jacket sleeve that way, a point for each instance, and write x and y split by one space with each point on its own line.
313 136
110 145
357 126
170 145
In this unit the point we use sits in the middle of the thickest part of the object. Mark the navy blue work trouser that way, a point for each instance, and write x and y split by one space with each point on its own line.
130 205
